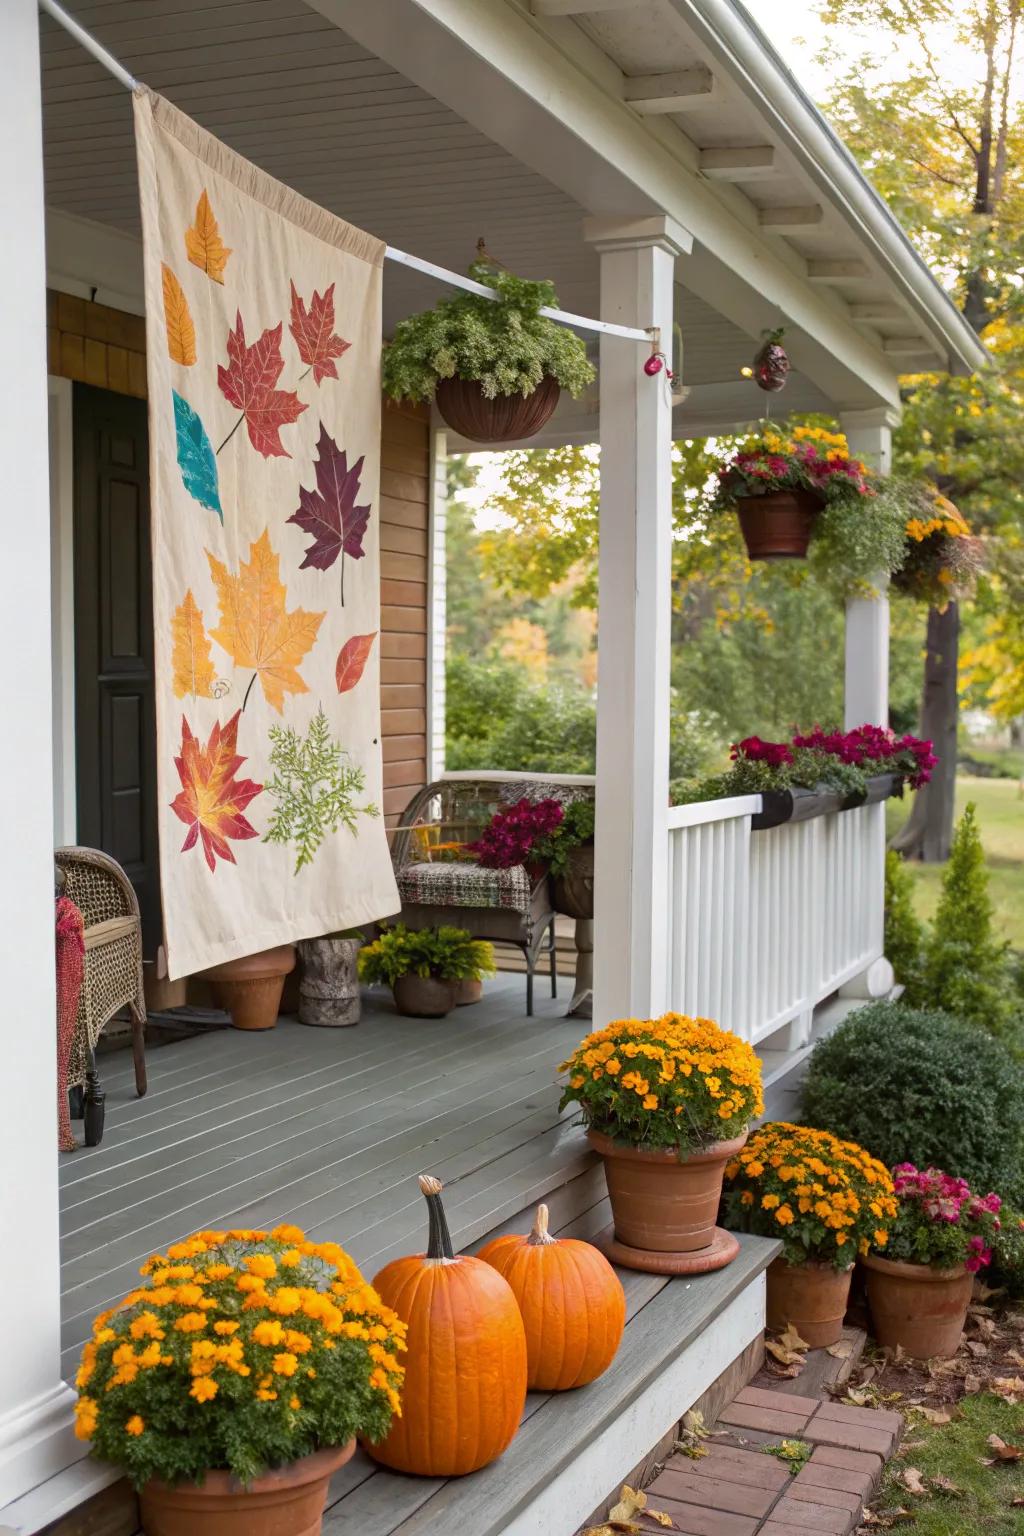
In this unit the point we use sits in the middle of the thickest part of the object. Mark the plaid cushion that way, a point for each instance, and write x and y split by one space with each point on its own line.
465 885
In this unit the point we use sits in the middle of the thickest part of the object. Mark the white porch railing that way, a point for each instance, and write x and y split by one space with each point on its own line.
763 925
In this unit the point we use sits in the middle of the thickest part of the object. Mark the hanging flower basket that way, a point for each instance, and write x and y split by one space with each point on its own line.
504 419
778 525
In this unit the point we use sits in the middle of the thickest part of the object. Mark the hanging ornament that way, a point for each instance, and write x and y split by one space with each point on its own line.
771 365
654 364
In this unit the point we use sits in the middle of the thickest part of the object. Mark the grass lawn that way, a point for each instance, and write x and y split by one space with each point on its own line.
1001 818
983 1504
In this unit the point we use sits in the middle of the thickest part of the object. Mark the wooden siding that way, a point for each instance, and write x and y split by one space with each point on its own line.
94 344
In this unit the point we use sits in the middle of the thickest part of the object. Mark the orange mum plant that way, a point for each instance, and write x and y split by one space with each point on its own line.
826 1199
240 1351
668 1082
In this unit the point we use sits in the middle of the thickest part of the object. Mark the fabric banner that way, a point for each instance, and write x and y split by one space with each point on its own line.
263 317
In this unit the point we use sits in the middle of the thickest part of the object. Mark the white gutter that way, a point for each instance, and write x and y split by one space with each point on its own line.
736 43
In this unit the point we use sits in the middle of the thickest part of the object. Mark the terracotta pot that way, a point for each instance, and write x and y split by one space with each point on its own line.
659 1201
289 1501
424 997
504 419
811 1296
468 991
920 1309
329 988
574 891
250 988
778 526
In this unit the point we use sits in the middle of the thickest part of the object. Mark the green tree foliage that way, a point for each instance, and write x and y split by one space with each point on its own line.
904 932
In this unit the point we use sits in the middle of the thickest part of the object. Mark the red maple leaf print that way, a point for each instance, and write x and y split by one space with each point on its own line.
330 513
352 659
248 382
313 330
212 800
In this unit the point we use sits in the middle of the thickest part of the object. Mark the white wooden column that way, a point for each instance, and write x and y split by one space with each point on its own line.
634 622
35 1438
869 434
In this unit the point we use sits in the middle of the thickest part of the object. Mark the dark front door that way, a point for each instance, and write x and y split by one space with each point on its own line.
114 703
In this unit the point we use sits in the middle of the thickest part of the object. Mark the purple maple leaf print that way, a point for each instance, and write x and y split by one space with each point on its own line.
330 513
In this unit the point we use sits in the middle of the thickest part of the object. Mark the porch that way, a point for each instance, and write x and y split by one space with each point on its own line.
328 1128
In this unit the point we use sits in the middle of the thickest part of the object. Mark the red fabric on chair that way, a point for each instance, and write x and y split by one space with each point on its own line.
70 969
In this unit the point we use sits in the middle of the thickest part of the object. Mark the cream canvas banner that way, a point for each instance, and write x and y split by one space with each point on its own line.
263 320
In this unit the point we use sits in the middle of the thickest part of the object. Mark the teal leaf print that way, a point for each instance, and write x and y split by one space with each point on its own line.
196 458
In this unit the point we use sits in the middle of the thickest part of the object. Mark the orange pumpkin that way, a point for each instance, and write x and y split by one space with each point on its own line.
465 1370
573 1305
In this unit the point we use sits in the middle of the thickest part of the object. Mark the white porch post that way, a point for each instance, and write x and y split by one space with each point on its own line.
866 698
634 615
869 434
34 1434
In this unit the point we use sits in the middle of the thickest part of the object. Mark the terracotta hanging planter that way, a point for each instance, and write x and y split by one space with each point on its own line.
810 1296
660 1202
287 1501
250 988
424 997
504 419
916 1308
778 526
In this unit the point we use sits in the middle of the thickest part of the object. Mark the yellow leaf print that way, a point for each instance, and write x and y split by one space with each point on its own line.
181 333
203 243
190 653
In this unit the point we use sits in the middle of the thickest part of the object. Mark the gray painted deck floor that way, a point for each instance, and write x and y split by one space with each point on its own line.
328 1128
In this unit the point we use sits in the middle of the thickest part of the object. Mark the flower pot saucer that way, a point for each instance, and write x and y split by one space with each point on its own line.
721 1251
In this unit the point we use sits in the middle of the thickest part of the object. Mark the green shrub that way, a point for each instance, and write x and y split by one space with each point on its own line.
904 933
1006 1272
450 954
964 968
921 1087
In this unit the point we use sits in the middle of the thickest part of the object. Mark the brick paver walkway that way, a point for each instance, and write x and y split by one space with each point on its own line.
736 1490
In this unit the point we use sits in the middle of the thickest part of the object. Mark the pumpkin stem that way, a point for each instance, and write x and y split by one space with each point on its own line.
540 1236
439 1240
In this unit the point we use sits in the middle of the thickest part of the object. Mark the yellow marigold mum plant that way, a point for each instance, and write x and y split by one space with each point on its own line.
668 1082
240 1351
826 1199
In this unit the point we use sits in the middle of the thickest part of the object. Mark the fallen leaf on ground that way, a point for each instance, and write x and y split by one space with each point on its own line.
1015 1357
913 1482
946 1485
693 1424
694 1451
982 1291
841 1351
783 1372
1003 1452
632 1502
785 1354
972 1384
933 1415
977 1348
1009 1388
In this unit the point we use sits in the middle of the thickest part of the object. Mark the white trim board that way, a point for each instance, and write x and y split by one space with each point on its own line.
62 608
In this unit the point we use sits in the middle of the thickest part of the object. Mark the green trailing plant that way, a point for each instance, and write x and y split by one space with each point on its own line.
316 788
575 830
965 967
858 542
917 1085
445 953
904 932
506 345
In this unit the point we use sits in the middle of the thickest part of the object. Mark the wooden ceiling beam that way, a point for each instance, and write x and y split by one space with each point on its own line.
782 220
841 271
678 90
730 163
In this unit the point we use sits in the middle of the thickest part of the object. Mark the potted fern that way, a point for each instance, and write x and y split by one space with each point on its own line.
496 368
426 968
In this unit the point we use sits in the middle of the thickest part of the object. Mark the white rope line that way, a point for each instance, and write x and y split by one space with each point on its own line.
417 263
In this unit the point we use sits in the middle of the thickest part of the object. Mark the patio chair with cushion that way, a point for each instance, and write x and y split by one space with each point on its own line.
112 978
506 906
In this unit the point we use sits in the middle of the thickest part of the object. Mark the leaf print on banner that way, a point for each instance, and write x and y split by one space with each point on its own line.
315 786
256 628
181 333
190 652
313 330
196 458
203 245
352 659
248 383
212 801
330 513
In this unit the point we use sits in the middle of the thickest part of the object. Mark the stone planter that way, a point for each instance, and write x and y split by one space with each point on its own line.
287 1501
505 419
778 526
917 1308
329 987
250 988
424 997
660 1202
811 1296
574 891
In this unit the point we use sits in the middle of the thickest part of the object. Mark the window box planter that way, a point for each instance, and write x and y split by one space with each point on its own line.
781 805
880 786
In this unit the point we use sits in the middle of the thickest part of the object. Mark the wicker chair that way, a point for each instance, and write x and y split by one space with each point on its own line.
506 906
112 979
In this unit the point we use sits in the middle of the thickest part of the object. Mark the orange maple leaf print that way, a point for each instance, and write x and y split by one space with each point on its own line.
190 651
203 245
255 626
212 801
